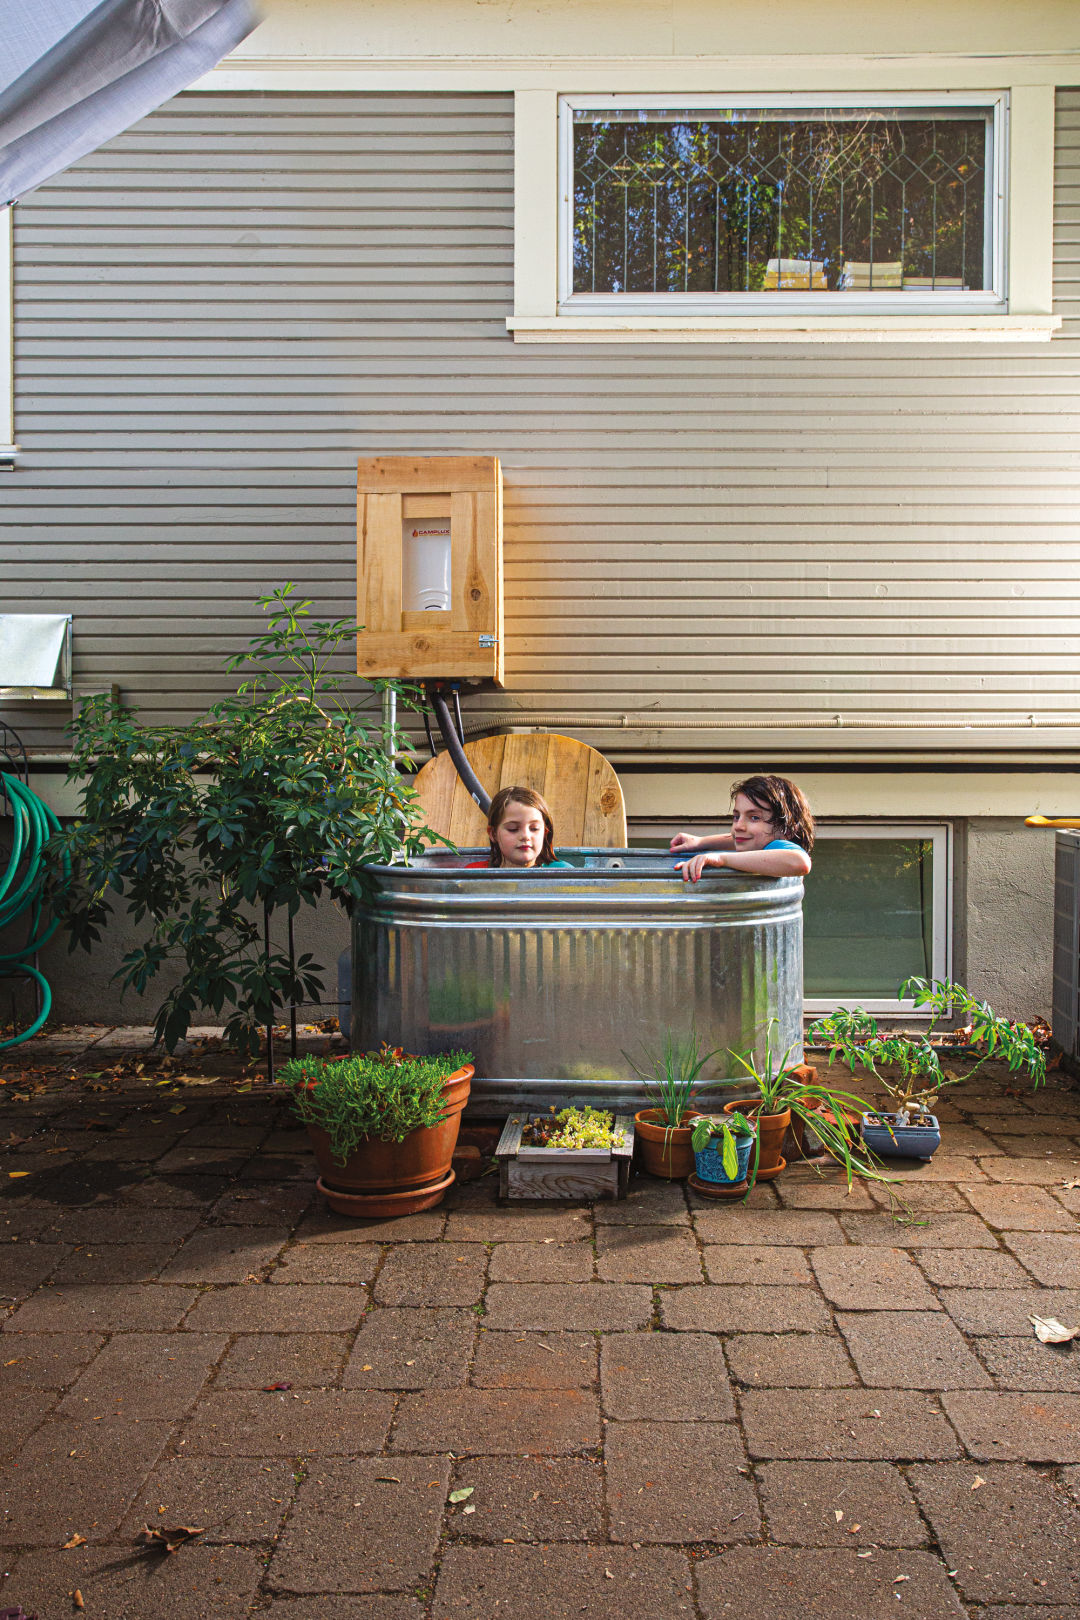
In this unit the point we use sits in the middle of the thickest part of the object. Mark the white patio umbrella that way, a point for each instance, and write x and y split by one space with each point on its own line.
74 73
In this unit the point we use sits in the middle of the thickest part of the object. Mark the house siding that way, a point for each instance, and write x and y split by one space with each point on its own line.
224 307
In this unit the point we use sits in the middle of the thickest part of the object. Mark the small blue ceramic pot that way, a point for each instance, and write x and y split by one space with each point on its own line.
709 1165
881 1133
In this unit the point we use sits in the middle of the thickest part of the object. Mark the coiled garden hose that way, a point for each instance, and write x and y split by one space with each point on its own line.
22 892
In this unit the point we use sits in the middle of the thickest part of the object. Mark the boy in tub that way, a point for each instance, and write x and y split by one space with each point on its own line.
772 833
520 830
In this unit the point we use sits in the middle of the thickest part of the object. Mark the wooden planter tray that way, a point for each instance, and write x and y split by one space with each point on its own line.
534 1172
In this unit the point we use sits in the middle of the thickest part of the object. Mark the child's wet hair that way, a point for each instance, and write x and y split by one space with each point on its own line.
786 805
532 801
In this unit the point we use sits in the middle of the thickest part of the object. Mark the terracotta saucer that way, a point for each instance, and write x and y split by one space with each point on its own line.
771 1175
717 1189
381 1205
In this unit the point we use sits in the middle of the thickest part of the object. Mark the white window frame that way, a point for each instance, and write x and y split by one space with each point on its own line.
939 835
993 300
1019 310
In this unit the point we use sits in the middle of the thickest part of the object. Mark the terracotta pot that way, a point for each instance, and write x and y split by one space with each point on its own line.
772 1129
422 1158
664 1150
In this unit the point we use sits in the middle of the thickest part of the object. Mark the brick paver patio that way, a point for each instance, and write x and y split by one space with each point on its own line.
812 1404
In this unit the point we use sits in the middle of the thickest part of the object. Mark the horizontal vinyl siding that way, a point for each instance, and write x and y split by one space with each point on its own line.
225 306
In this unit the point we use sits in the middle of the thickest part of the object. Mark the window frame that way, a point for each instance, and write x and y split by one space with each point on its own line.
989 301
940 835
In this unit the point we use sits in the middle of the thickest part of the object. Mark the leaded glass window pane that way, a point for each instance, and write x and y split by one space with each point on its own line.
766 200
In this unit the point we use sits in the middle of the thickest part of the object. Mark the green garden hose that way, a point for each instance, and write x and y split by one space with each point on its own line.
22 893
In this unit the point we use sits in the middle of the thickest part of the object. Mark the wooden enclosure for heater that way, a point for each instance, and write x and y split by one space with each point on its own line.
412 643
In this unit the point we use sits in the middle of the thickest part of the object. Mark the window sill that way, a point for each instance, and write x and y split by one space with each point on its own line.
783 329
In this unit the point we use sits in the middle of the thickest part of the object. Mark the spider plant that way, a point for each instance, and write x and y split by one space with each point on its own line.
822 1108
672 1075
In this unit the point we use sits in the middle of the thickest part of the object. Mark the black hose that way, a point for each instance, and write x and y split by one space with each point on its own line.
457 716
457 753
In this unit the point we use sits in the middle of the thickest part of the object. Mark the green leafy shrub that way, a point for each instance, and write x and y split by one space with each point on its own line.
917 1077
386 1094
276 796
671 1075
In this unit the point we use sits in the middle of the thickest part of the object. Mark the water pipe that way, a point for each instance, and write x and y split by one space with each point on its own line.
1052 821
22 894
457 753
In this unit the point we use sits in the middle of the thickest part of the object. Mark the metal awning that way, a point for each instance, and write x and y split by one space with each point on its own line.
74 73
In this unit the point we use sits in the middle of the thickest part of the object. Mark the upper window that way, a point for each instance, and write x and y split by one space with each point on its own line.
776 205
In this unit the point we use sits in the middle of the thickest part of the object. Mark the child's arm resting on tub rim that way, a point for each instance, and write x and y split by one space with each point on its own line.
781 858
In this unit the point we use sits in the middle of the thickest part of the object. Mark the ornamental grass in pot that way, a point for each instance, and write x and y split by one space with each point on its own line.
789 1094
662 1131
383 1126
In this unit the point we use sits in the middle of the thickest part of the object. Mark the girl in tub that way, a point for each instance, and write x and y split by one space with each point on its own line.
772 833
520 830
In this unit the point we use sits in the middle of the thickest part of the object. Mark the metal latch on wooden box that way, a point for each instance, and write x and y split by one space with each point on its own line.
487 641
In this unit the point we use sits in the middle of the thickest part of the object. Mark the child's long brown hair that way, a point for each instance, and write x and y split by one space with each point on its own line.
532 801
786 805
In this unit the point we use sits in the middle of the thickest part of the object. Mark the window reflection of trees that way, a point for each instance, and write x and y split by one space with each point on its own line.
751 204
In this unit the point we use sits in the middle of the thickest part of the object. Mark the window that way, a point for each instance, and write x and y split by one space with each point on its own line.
770 216
883 204
875 912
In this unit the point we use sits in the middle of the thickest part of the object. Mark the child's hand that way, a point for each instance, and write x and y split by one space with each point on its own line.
692 869
684 841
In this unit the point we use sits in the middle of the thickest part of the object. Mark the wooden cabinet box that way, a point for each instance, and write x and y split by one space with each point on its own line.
429 567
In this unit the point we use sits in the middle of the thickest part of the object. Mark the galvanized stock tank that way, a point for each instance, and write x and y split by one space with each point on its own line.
549 976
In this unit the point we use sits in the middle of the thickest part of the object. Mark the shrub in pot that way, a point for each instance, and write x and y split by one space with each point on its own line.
662 1131
908 1067
383 1126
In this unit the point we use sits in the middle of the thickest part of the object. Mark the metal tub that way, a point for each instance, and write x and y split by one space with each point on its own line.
550 977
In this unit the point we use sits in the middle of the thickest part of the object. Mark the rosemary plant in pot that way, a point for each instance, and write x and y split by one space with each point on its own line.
662 1131
383 1126
908 1067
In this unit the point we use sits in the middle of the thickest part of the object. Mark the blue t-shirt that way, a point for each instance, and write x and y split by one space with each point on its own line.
784 843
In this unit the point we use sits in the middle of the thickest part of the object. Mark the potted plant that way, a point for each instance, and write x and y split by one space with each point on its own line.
569 1153
789 1094
721 1145
913 1077
383 1126
662 1131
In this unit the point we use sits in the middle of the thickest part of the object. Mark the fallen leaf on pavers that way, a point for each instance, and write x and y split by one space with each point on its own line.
1070 1186
900 1578
269 1388
178 1108
462 1495
1050 1331
14 1140
77 1599
76 1541
838 1514
168 1541
17 1175
387 1479
469 1508
853 1529
977 1481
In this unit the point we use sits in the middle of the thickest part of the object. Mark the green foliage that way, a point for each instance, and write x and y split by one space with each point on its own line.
671 1075
574 1128
823 1108
276 796
730 1128
383 1094
918 1078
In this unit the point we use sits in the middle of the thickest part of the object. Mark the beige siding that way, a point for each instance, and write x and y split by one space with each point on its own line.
218 312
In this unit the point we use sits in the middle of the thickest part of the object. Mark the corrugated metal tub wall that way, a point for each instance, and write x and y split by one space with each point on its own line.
548 977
